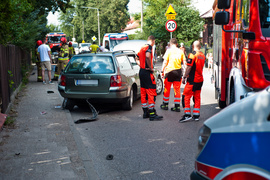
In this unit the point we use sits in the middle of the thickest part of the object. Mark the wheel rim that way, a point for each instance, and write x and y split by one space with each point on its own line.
131 97
159 85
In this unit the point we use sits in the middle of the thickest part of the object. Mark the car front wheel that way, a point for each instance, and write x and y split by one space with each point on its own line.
159 85
129 103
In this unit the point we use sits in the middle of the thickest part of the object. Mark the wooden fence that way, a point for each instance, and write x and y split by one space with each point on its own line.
13 60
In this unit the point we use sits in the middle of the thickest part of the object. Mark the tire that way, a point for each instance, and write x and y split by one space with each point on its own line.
82 104
159 85
232 94
216 90
221 104
68 104
129 103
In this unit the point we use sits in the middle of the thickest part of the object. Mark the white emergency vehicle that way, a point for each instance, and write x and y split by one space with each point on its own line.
234 144
112 39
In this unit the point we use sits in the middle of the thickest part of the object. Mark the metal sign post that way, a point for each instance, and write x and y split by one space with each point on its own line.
170 25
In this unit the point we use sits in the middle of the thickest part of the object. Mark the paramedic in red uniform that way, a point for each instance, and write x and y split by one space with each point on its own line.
194 78
147 79
171 67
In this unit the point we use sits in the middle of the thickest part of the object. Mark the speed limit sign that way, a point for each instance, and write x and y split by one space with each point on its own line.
171 25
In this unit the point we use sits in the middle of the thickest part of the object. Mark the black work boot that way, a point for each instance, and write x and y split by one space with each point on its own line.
153 115
145 113
164 106
176 108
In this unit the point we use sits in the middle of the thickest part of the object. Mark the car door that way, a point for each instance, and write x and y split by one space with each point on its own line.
136 69
127 72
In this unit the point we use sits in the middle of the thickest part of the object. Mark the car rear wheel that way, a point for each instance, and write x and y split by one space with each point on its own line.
129 103
159 85
68 104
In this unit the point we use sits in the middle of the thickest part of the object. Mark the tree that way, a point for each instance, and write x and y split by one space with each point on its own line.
189 23
113 18
22 22
53 28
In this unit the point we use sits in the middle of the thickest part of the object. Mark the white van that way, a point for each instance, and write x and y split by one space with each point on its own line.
112 39
76 47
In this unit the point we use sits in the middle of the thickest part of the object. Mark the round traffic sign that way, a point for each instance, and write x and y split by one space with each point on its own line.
171 25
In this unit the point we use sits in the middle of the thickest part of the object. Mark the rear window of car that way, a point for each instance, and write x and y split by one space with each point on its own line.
91 65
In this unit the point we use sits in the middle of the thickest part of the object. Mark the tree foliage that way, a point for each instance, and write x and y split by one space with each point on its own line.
113 16
22 22
189 23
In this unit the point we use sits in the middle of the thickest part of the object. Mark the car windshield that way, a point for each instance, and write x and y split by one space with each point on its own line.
75 45
265 17
54 39
90 65
115 42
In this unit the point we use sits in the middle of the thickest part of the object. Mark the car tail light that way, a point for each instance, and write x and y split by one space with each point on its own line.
116 81
63 80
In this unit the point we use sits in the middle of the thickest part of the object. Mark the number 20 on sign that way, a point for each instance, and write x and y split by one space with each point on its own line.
171 25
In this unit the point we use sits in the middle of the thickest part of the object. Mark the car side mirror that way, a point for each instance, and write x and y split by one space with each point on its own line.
249 35
222 18
224 4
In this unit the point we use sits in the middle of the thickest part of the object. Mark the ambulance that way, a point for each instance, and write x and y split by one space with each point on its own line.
234 144
110 40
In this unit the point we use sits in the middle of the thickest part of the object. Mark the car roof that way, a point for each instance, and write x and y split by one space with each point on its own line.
134 45
105 53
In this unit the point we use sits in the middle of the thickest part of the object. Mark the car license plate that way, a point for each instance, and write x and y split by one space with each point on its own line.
92 82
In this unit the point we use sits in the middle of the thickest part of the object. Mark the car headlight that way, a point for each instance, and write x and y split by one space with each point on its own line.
204 134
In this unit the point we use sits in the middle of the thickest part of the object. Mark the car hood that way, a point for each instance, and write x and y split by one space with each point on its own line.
251 114
134 45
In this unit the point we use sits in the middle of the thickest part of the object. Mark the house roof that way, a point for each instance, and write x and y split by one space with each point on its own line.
132 24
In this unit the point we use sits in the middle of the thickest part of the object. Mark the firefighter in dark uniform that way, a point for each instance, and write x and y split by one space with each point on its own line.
147 79
39 71
63 57
194 78
71 50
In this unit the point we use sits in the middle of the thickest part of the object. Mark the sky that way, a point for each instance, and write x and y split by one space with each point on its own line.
134 6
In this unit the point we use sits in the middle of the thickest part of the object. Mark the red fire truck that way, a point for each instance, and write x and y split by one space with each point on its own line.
241 48
54 38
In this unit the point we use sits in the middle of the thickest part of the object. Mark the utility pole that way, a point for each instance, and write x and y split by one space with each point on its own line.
98 21
83 30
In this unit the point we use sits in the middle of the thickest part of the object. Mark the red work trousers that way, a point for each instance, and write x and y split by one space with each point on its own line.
167 89
148 89
187 94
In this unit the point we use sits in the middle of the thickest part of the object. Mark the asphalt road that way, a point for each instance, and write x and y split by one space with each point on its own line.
139 148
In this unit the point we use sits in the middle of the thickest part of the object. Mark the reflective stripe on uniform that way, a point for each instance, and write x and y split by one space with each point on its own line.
177 100
144 105
196 111
151 106
187 111
63 59
166 99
